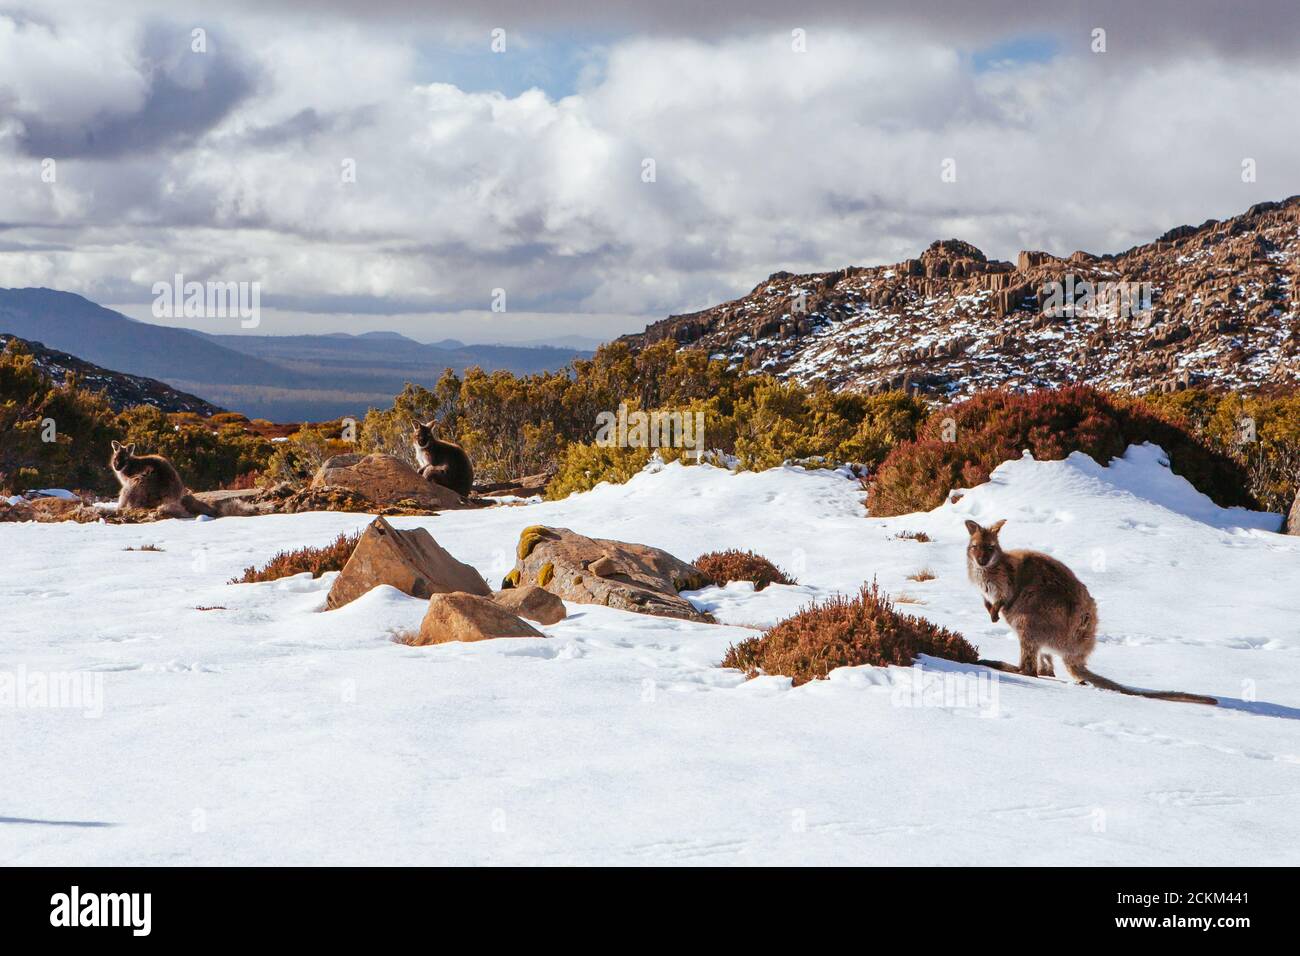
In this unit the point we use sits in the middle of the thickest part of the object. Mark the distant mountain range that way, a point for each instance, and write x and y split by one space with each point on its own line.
1223 310
282 378
121 390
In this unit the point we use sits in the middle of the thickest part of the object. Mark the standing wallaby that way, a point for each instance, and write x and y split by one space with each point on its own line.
442 462
151 481
1047 606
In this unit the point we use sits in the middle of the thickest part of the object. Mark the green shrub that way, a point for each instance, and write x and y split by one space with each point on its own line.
1260 432
584 466
299 457
845 632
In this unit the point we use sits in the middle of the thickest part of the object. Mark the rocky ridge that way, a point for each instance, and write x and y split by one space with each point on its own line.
1214 304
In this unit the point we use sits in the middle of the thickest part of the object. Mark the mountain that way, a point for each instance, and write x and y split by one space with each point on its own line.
64 320
121 390
284 378
1222 297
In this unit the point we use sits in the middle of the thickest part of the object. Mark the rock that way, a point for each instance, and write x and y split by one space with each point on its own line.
1293 519
637 577
533 602
468 617
526 487
410 561
385 480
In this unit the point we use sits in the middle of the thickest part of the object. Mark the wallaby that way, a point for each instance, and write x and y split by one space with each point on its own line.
151 481
442 462
1047 606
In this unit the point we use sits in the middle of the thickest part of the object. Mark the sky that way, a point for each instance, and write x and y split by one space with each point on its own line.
588 168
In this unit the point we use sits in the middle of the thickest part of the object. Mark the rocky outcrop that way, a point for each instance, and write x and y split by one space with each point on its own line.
532 602
1210 305
631 577
468 617
385 480
410 561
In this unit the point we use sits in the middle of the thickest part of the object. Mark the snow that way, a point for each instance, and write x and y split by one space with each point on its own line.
268 731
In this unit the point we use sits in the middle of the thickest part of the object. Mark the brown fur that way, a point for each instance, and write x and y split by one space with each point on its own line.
151 482
1047 606
442 462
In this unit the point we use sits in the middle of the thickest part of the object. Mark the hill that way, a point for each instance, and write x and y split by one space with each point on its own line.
283 378
122 390
1222 313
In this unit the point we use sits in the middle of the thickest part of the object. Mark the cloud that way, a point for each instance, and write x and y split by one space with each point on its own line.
73 94
764 158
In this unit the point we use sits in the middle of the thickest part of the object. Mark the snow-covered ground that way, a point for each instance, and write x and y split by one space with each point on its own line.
267 731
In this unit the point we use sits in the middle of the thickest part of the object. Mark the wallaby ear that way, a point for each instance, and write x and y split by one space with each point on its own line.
130 449
972 527
116 445
996 526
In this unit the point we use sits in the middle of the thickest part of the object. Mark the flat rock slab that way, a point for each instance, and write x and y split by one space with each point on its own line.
631 577
468 617
410 561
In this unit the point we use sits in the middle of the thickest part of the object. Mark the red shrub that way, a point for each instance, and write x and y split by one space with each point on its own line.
993 427
721 567
331 557
843 632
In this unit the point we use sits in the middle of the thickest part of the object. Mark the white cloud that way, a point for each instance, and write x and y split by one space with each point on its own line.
766 159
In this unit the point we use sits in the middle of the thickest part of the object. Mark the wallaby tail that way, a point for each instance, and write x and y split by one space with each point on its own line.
196 507
219 510
1096 680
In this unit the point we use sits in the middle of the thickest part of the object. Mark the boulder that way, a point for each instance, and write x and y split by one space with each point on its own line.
385 480
534 603
468 617
632 577
410 561
1293 519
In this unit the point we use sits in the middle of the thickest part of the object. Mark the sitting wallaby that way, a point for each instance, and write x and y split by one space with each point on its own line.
442 462
1047 606
151 481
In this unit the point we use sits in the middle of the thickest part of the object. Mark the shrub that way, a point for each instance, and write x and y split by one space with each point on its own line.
721 567
992 427
584 466
331 557
299 457
205 458
845 632
1261 432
